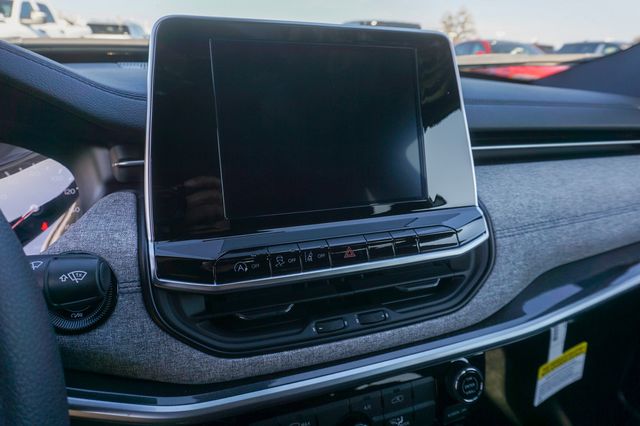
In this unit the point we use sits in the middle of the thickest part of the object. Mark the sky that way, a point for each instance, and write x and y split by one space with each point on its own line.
545 21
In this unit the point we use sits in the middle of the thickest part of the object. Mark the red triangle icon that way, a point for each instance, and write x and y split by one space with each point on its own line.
349 253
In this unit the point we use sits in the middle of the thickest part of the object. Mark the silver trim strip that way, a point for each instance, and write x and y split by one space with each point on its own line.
129 163
555 145
322 273
140 413
464 116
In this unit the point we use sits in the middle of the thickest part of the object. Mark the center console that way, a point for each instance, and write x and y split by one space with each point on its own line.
306 183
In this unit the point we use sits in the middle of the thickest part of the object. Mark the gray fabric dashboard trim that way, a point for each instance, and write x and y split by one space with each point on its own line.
545 214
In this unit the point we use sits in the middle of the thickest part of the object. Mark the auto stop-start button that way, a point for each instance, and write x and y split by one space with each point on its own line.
242 266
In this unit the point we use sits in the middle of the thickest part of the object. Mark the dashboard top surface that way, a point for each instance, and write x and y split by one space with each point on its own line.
613 111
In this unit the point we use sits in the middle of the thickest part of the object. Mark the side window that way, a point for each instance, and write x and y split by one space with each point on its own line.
463 49
610 48
5 8
47 12
478 47
25 10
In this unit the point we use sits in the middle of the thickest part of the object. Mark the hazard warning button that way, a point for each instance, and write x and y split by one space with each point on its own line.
347 251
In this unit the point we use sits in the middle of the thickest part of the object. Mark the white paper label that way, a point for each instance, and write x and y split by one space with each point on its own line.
560 373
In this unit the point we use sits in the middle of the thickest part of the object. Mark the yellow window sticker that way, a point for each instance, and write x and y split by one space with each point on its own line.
560 372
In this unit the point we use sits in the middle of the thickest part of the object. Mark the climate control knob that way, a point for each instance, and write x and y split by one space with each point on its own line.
465 382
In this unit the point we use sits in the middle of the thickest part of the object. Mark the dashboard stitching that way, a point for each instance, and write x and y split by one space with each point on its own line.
75 77
593 216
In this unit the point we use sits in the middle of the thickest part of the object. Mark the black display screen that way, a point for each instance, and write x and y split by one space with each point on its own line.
309 127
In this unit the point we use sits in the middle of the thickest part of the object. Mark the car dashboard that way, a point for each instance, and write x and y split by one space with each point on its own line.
433 306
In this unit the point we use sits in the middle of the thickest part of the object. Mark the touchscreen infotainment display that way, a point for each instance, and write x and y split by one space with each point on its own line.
309 127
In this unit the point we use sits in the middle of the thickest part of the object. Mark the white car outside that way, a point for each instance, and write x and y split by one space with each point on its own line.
36 18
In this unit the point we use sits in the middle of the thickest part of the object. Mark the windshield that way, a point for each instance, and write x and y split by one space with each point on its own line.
540 37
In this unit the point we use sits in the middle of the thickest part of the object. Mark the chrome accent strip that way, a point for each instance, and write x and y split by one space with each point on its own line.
555 145
464 117
322 273
141 413
128 163
147 144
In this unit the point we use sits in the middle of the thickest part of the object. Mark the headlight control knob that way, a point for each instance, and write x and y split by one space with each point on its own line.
465 382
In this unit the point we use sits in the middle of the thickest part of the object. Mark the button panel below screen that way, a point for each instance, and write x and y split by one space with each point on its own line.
292 259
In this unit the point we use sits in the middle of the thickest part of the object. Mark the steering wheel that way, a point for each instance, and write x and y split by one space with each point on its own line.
33 390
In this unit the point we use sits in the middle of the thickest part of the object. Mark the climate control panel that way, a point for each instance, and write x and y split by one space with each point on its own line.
445 394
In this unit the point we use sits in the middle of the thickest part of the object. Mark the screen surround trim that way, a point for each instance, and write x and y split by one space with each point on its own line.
452 187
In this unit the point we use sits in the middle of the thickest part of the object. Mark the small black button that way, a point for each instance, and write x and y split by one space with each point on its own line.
315 255
400 418
301 418
195 270
369 404
424 390
380 246
406 242
424 414
332 414
436 237
372 317
472 230
455 413
330 326
347 251
397 398
285 259
242 266
470 385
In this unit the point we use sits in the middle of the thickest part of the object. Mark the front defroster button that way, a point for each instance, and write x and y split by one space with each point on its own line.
242 266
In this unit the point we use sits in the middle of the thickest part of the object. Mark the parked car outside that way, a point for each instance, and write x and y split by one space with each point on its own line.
480 47
118 30
29 19
592 47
